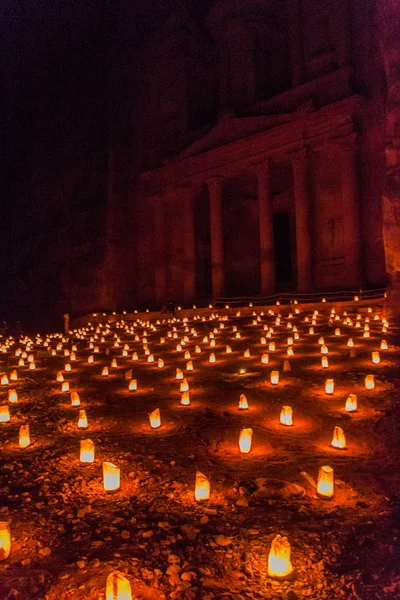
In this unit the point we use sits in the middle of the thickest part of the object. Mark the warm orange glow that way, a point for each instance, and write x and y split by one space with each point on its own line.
339 439
4 413
155 418
369 382
351 403
329 386
202 487
82 421
12 396
279 564
118 587
286 417
75 400
87 451
245 440
212 358
185 398
111 477
132 386
375 358
5 540
24 436
243 404
274 377
325 485
184 385
324 362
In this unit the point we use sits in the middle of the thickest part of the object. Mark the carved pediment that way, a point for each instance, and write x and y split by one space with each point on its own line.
230 129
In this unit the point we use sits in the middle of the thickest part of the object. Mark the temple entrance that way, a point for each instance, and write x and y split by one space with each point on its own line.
202 245
283 251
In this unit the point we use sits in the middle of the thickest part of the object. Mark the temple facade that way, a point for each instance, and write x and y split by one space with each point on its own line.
259 148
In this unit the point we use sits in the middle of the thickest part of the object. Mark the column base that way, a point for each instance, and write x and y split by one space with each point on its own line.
391 309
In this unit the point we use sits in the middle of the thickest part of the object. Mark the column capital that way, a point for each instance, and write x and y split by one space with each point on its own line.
262 165
215 181
299 157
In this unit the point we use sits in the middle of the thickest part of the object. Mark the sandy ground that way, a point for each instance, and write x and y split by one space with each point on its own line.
68 534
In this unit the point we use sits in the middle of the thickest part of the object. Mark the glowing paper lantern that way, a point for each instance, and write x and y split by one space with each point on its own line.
350 343
184 385
286 416
132 386
75 400
247 353
325 484
271 347
212 358
82 421
324 349
179 374
384 345
114 363
4 413
65 386
228 350
339 439
279 564
274 377
105 371
12 396
245 440
202 487
160 363
189 366
264 359
5 540
351 403
290 351
155 418
60 377
243 404
67 367
375 358
329 386
118 587
369 382
90 359
324 362
14 375
111 477
24 436
185 398
87 451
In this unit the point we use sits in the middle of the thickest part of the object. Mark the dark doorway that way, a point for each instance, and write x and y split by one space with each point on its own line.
283 251
202 245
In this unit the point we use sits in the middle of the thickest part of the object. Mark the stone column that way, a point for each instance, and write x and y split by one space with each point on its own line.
265 215
351 212
217 243
189 283
301 193
159 241
389 27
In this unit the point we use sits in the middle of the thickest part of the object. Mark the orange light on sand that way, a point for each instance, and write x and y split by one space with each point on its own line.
243 404
369 382
271 346
384 345
60 377
155 418
105 371
212 358
82 421
329 386
24 436
279 564
324 349
247 353
65 386
160 363
325 484
179 374
351 403
5 540
87 451
90 359
324 362
245 440
202 487
339 439
350 343
132 386
264 359
184 386
274 377
286 416
4 413
118 587
12 396
185 398
75 400
111 477
375 358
